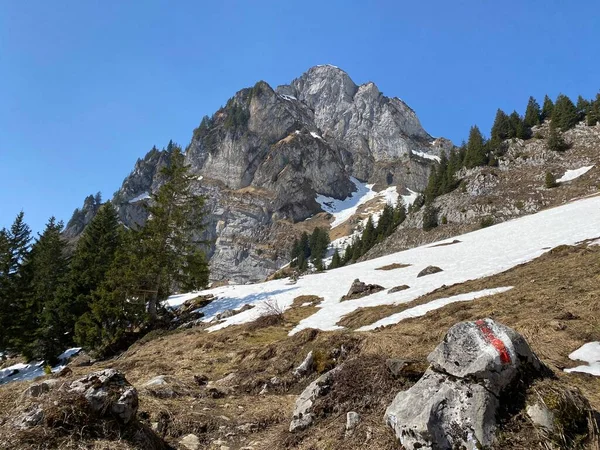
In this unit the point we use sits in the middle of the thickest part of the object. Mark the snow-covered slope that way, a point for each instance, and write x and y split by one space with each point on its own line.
479 254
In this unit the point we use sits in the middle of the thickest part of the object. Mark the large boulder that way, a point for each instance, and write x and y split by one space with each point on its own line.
454 404
108 393
360 289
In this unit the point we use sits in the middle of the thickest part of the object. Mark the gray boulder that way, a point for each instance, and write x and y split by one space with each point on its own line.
360 289
165 386
429 270
454 404
108 393
303 415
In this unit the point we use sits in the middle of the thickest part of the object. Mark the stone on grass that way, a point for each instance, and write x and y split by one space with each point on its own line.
190 442
303 415
306 366
108 393
455 403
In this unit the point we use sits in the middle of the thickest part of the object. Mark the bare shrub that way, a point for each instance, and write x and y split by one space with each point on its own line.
271 314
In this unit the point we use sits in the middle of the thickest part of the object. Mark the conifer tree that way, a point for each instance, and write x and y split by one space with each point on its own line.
532 113
168 240
583 107
48 265
368 237
501 129
564 114
430 219
14 254
399 212
555 141
594 112
547 109
476 154
336 260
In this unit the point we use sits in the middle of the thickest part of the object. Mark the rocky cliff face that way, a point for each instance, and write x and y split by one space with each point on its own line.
262 159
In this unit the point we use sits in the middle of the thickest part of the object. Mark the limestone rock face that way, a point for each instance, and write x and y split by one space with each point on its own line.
454 404
262 159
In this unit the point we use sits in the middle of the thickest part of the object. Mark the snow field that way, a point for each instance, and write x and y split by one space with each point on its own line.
480 254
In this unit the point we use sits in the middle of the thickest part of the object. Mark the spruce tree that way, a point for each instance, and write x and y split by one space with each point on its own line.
550 180
168 239
399 212
368 237
564 115
501 129
14 255
532 113
583 107
476 154
594 112
555 141
547 109
430 219
336 260
40 336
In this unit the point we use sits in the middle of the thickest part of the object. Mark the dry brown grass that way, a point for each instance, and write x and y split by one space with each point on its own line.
564 280
393 266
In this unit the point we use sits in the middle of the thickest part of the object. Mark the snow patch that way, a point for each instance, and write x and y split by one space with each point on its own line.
589 353
572 174
342 210
289 98
140 197
315 135
421 310
426 155
26 372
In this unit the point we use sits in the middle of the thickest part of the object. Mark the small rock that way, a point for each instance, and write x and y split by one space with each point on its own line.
352 419
541 416
306 366
201 380
190 442
64 372
248 427
558 325
566 316
398 288
165 386
429 270
30 418
395 366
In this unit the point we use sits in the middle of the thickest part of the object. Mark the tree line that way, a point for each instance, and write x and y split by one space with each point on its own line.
109 289
313 248
563 115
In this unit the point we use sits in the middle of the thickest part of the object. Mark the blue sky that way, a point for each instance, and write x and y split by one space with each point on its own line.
87 87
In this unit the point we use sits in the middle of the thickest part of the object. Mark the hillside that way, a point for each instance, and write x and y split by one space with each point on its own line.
542 270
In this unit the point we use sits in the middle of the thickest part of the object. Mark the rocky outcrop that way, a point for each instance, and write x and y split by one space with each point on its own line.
108 393
261 160
455 403
303 415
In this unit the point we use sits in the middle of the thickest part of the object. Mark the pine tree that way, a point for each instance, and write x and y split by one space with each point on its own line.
547 109
118 304
564 115
501 129
40 337
399 212
532 113
385 225
550 180
594 112
476 154
555 141
304 245
430 219
583 107
368 237
14 255
336 260
167 240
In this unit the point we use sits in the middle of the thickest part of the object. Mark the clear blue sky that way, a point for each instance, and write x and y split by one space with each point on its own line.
87 87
